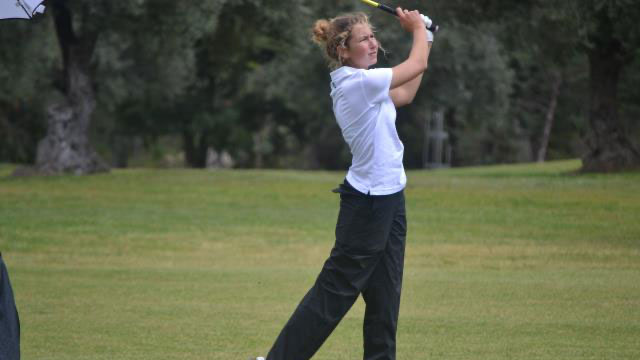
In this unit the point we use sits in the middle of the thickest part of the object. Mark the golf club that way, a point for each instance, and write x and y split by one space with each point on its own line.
427 22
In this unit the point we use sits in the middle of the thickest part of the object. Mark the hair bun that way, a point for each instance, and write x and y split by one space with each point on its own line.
321 31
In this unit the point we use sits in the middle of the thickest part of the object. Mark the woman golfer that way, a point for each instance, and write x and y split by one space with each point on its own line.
368 254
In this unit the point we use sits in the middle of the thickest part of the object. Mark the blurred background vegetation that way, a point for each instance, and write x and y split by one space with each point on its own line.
238 83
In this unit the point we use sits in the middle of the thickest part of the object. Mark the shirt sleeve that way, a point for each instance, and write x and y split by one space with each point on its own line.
376 84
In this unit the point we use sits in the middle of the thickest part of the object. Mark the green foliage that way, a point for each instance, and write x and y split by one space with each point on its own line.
27 54
158 63
229 110
243 76
623 15
629 95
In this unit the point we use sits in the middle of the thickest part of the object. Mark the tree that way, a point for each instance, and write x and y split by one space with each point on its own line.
606 32
543 56
220 109
610 42
149 76
79 25
66 147
286 108
24 76
243 76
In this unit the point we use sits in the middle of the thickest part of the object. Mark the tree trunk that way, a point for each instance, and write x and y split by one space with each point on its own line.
189 147
550 116
195 148
609 149
66 147
261 143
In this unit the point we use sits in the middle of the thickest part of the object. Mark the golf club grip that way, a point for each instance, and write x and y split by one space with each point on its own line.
433 28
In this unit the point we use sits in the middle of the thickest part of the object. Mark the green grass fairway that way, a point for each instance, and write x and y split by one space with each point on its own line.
503 262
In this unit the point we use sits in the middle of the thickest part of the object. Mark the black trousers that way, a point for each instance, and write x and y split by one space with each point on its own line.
367 259
9 322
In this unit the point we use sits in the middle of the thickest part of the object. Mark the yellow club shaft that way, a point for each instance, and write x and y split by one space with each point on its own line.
372 3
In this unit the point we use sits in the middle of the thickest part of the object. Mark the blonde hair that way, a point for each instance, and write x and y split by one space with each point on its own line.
333 33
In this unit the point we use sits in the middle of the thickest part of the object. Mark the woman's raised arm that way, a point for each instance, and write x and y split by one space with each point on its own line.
416 63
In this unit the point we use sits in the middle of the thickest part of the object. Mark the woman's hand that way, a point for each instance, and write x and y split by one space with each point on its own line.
410 20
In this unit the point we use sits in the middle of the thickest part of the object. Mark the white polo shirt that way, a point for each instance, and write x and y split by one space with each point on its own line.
367 117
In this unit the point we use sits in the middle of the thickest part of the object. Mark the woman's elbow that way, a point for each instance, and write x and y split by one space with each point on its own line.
422 64
403 102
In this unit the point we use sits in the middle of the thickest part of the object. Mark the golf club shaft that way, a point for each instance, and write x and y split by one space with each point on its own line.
429 24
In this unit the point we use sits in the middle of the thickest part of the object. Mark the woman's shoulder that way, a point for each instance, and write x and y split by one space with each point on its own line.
345 73
342 72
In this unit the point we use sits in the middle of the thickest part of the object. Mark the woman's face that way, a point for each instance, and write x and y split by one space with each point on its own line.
362 50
